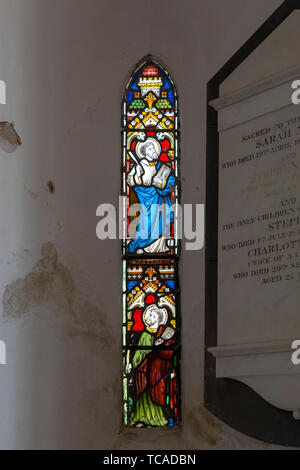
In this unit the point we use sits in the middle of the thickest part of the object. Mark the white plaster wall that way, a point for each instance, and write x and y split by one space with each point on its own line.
65 63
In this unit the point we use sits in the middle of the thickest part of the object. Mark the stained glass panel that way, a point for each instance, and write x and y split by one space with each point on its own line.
150 163
150 182
149 283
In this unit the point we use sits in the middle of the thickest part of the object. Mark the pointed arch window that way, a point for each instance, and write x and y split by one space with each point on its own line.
150 248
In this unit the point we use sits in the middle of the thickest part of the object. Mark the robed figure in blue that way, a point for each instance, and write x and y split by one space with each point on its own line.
153 183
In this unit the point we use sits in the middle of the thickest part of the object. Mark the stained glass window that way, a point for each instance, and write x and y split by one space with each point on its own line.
150 248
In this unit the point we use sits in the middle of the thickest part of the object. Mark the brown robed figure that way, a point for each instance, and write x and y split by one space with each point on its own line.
152 369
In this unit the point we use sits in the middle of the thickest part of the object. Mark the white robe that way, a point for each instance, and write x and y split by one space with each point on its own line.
160 245
146 178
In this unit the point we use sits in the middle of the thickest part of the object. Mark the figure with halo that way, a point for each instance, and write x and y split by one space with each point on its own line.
152 368
153 183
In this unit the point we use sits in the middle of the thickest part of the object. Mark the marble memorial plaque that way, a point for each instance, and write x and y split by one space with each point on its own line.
259 230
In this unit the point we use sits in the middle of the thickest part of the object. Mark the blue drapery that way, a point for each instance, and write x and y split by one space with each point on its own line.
156 214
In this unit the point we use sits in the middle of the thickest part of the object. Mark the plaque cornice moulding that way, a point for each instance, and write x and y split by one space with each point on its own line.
251 348
256 88
255 360
265 367
256 100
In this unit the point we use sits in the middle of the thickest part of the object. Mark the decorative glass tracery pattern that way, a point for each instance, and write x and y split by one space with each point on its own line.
151 340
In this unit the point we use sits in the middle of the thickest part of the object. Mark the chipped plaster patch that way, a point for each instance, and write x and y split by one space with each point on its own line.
9 139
